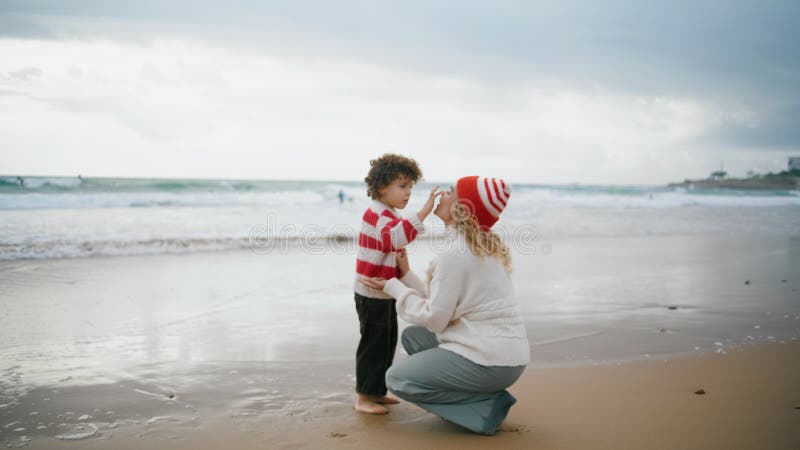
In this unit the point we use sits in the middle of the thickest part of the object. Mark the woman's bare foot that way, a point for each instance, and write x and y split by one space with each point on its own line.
386 399
364 403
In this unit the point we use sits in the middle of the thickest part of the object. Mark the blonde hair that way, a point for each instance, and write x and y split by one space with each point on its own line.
481 242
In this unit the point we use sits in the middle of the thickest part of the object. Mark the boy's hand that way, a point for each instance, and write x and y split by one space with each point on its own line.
402 262
374 282
428 207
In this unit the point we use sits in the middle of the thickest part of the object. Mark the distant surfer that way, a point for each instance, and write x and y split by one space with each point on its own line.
80 178
21 180
341 196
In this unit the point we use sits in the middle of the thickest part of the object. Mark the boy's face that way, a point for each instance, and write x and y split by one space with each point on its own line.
397 193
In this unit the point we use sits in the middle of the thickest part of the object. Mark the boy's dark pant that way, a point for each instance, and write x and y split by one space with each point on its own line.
377 318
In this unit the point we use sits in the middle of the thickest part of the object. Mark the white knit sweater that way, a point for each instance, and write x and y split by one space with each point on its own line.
469 303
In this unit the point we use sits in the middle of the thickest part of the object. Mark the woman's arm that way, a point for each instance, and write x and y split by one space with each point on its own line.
407 276
434 311
413 281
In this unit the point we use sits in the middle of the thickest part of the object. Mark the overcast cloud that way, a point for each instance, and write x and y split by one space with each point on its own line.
618 92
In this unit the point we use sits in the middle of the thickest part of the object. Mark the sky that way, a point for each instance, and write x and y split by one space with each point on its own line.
612 92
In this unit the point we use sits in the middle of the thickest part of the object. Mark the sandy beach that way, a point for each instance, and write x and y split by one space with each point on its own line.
751 400
247 350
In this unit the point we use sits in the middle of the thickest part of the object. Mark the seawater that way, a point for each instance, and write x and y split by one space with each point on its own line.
57 217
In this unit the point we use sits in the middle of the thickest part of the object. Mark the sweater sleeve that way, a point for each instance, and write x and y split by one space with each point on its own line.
434 311
398 233
414 282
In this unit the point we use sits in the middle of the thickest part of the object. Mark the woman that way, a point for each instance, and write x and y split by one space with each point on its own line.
469 342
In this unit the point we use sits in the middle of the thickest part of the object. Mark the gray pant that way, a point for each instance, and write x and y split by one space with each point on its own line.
450 385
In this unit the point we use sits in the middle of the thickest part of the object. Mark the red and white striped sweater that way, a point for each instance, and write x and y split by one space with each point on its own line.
383 232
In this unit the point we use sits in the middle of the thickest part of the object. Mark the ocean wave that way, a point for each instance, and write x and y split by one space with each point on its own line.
11 183
652 198
127 216
324 195
38 183
72 249
334 239
91 200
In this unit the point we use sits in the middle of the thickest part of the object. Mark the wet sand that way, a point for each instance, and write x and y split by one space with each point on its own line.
202 348
751 401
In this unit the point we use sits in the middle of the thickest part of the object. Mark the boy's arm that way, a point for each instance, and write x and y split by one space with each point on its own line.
398 233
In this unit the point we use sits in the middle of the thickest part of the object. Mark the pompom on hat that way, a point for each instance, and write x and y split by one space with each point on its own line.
485 198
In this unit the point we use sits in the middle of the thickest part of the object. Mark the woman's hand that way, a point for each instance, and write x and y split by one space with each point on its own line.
374 282
428 207
402 262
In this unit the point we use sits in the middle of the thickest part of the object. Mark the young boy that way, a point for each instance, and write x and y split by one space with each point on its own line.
383 234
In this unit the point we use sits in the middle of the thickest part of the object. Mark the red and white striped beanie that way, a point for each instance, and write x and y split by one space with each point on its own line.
485 198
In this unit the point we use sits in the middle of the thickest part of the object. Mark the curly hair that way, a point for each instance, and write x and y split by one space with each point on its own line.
388 168
482 242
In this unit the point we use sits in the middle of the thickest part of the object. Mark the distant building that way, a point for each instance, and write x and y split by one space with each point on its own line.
794 163
718 174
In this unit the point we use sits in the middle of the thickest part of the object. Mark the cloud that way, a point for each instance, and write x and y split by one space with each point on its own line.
22 26
558 92
25 73
679 47
251 113
770 129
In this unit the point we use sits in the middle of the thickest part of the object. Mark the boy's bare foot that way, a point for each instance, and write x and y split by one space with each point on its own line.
364 403
386 399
